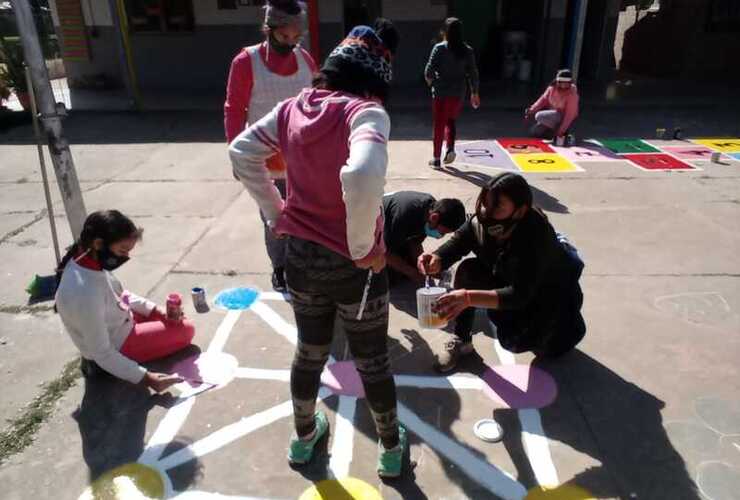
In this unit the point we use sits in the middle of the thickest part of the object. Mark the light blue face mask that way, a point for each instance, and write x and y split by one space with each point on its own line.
432 233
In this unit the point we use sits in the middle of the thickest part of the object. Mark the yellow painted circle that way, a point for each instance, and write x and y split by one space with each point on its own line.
562 492
348 488
127 481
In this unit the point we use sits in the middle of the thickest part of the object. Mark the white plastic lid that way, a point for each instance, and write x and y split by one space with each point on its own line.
488 430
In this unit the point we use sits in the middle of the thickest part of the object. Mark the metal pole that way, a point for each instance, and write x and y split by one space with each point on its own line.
42 162
580 25
61 157
125 57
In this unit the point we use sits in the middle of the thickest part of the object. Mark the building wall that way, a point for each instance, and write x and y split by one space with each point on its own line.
200 60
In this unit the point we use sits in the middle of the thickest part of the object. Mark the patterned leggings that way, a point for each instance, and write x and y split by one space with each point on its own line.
324 285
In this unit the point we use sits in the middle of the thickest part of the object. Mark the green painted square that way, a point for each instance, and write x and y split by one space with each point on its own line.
622 146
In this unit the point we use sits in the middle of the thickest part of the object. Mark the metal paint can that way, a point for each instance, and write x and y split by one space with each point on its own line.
660 133
199 299
715 157
174 307
560 140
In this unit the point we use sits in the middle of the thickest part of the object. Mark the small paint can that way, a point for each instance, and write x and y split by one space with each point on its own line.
560 140
570 140
199 299
715 157
678 134
488 430
174 307
660 133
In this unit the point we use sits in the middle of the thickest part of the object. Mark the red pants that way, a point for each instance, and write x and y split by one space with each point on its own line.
445 111
151 340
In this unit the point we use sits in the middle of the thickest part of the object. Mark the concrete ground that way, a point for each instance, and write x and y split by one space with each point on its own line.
646 407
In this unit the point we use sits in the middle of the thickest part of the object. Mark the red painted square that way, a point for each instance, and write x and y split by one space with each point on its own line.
657 161
524 145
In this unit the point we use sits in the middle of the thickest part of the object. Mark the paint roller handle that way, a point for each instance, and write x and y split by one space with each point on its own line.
375 262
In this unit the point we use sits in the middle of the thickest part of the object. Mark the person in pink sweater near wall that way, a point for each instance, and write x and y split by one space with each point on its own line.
261 76
556 109
334 139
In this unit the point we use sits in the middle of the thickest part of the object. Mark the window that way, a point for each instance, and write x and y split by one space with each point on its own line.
160 16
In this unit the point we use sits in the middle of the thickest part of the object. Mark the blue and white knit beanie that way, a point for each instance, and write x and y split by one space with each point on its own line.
364 48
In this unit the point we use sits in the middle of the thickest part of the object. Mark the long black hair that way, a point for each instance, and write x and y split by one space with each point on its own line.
453 32
507 183
111 226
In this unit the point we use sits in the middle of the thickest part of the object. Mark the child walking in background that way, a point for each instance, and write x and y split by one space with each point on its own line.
450 71
556 109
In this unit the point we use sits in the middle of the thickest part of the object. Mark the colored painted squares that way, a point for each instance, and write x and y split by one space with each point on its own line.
731 145
658 161
628 146
484 153
689 152
586 152
525 146
544 162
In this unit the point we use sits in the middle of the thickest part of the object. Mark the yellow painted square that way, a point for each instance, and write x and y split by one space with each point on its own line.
731 145
543 162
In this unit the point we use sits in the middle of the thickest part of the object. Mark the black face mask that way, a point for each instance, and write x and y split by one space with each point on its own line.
110 261
496 227
280 48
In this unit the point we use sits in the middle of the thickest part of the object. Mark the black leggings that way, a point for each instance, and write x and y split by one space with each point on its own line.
324 284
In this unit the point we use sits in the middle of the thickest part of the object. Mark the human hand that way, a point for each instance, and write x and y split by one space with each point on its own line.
376 263
475 101
429 263
161 381
449 305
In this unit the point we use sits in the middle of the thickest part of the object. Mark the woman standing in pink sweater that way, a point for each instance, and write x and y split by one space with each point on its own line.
334 140
556 109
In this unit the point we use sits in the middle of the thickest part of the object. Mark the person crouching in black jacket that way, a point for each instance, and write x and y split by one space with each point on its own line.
523 274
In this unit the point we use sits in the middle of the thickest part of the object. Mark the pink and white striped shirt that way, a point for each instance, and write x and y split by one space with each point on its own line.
335 147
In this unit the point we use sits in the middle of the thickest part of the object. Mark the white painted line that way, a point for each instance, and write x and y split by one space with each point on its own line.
423 382
272 318
487 475
277 296
536 444
224 330
231 433
175 417
344 435
166 431
537 448
263 374
226 435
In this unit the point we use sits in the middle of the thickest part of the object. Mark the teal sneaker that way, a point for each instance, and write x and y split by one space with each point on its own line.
390 461
300 451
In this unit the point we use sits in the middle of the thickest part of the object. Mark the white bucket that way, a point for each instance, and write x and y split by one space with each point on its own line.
425 298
